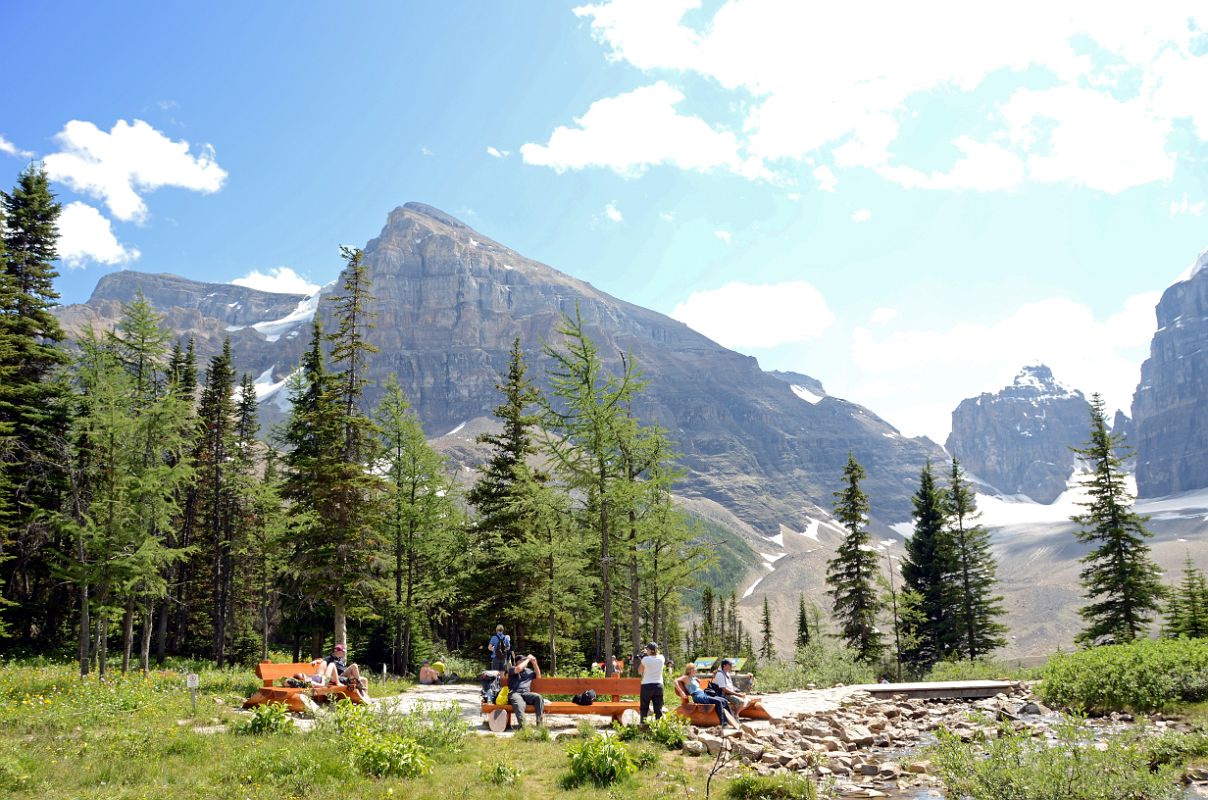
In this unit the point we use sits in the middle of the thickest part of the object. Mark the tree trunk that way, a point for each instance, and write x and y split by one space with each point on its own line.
316 644
606 573
399 663
102 644
341 619
635 600
409 598
127 634
83 651
161 631
144 660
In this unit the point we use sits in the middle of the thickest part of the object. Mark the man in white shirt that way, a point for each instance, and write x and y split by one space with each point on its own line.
651 669
724 681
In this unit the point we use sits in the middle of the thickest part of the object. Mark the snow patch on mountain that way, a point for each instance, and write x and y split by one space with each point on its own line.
1199 265
805 394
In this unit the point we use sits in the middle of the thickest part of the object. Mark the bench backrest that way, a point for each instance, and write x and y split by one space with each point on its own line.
269 672
602 686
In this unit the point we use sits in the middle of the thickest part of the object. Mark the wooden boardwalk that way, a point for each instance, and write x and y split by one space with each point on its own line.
939 690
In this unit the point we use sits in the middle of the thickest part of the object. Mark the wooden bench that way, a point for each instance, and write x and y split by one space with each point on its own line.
289 696
704 716
499 717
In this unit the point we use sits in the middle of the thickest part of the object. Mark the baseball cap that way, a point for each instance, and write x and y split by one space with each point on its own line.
340 647
725 661
652 646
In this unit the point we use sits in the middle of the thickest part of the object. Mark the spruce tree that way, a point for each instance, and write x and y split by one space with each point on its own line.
1187 604
852 573
978 608
1119 577
928 571
803 624
767 650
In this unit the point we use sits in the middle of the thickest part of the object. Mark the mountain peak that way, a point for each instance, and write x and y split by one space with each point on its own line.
1198 267
1037 380
431 213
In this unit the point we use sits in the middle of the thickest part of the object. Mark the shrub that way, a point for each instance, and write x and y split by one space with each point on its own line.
599 760
645 758
12 777
980 670
390 755
771 787
670 731
266 719
532 733
1145 675
1173 747
1016 766
500 774
819 663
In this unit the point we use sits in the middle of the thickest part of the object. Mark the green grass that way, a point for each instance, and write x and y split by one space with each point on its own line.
135 738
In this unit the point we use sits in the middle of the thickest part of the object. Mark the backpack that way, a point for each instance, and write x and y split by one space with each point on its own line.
503 646
585 699
490 685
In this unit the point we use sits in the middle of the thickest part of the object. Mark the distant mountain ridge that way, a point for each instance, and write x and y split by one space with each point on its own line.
449 301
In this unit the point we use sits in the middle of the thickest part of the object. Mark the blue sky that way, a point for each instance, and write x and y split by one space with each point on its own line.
907 206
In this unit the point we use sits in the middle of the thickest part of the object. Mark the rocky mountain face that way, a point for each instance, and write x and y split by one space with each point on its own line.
1018 439
1170 407
448 303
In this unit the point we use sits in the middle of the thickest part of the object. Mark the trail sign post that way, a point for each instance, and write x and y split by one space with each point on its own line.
192 682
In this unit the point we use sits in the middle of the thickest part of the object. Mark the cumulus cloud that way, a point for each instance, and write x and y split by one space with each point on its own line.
119 166
826 178
495 152
1087 351
883 316
667 216
757 315
282 280
1185 207
637 130
86 235
8 147
724 237
1090 96
862 215
613 213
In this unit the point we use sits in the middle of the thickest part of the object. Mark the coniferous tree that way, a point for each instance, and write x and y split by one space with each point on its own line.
803 624
1119 577
767 649
978 609
928 571
1187 604
852 573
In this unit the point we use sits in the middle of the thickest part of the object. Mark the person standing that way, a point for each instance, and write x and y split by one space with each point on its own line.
501 650
651 669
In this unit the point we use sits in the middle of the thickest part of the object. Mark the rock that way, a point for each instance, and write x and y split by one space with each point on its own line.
867 769
1018 439
712 743
857 735
694 747
889 770
751 750
1034 708
919 767
1196 774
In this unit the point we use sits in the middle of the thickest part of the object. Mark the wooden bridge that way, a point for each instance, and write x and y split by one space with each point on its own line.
939 690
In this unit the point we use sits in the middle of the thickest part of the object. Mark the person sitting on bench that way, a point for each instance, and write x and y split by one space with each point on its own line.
688 689
723 680
334 670
520 684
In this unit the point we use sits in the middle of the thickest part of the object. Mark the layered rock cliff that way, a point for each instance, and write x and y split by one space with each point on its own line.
1170 407
449 301
1018 439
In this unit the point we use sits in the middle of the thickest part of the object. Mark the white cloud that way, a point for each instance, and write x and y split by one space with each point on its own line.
1089 96
757 315
85 235
425 152
667 216
724 236
278 279
826 178
914 367
862 215
883 316
495 152
613 213
8 147
632 132
1186 207
131 159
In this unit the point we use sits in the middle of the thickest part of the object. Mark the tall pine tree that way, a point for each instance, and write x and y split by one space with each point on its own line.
928 571
767 648
1119 577
978 608
1187 604
803 624
852 573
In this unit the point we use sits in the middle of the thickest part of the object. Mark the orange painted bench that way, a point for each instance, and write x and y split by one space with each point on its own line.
290 696
499 717
704 716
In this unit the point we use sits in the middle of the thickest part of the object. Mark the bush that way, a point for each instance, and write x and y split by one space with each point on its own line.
500 774
599 760
391 754
532 733
771 787
266 719
1175 748
1016 766
1145 675
12 777
433 727
645 758
820 663
980 670
670 731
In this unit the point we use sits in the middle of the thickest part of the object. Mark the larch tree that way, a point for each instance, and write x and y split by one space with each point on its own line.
852 573
978 608
1119 577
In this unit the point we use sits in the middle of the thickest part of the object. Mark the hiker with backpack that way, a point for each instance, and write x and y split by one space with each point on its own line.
520 693
650 668
500 647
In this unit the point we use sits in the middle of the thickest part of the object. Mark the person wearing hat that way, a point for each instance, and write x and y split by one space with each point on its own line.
724 681
336 669
651 669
